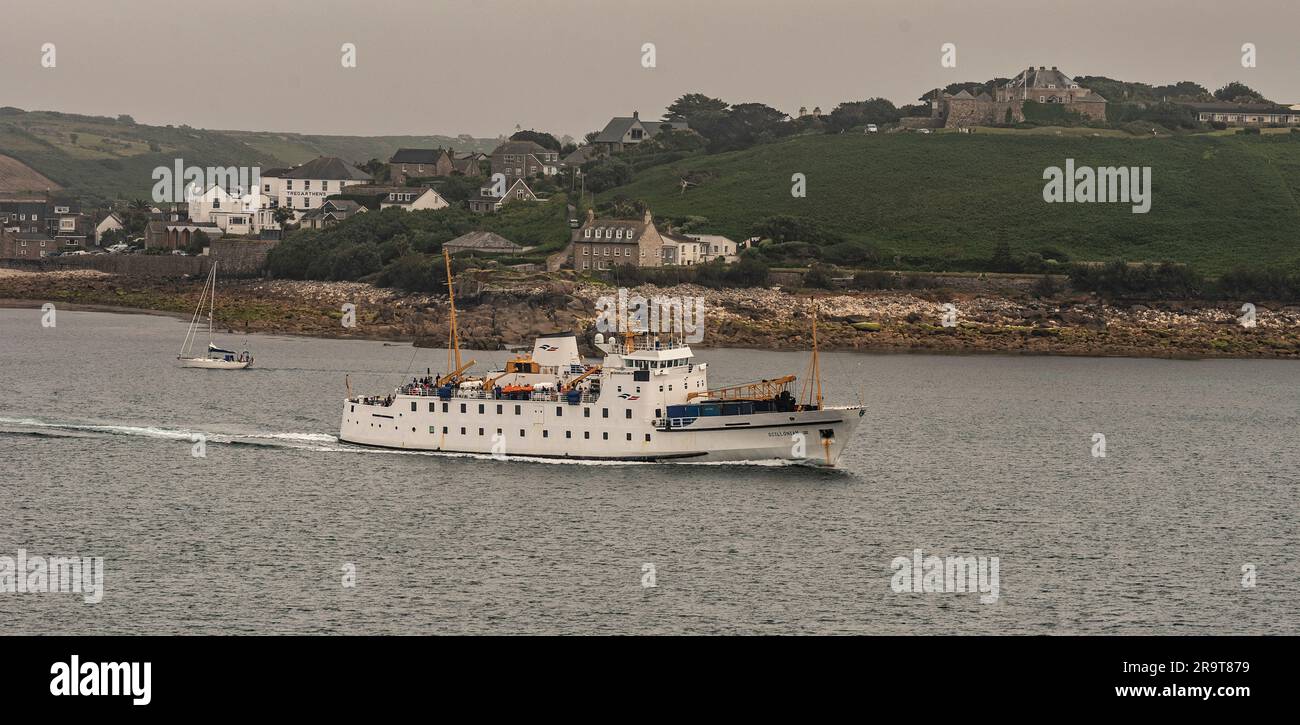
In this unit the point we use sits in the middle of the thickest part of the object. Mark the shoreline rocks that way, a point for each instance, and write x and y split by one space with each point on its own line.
507 315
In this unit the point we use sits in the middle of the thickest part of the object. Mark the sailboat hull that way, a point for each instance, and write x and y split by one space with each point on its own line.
210 364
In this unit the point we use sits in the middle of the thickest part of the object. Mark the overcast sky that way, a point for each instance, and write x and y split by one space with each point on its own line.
566 66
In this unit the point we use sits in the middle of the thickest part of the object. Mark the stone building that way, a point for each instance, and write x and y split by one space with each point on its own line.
608 243
1006 105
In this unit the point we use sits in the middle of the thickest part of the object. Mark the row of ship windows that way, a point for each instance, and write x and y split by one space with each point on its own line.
586 434
482 409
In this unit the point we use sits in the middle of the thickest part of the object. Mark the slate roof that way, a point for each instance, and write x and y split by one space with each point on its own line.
416 156
327 168
482 241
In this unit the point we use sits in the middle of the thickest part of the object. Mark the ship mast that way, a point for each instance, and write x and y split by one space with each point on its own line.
454 345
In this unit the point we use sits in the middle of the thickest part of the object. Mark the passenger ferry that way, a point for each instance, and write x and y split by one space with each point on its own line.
647 400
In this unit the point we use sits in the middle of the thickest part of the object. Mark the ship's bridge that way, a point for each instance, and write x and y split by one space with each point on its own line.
644 353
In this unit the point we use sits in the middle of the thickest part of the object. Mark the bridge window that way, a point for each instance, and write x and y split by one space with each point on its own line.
430 407
480 409
412 406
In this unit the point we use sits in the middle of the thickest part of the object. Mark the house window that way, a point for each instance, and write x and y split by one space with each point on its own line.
586 435
430 407
462 407
521 432
412 406
647 437
586 233
605 435
480 431
444 407
586 412
498 410
604 412
516 410
629 413
546 434
568 434
629 436
480 409
559 411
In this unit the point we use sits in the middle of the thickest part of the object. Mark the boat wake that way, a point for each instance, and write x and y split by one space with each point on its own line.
299 441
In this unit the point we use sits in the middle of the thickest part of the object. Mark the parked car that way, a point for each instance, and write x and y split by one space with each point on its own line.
923 130
872 128
118 248
76 253
180 253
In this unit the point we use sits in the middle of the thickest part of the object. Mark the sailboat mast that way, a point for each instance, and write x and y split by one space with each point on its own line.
212 300
451 295
817 368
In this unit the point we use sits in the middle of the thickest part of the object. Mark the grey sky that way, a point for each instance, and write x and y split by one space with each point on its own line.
566 66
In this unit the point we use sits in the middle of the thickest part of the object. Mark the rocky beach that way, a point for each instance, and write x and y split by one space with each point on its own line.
496 312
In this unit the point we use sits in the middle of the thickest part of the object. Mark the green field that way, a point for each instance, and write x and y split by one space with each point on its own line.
946 200
108 159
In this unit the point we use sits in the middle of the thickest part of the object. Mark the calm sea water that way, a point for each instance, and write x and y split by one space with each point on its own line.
958 456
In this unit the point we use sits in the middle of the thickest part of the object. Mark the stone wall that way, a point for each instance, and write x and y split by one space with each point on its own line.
136 265
240 257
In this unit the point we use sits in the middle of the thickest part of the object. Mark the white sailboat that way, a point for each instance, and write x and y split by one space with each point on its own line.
216 358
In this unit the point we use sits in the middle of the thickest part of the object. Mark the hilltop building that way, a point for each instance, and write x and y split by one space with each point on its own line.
1006 105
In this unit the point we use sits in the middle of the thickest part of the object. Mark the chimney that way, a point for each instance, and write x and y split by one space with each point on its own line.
636 115
1055 68
649 218
1042 67
591 215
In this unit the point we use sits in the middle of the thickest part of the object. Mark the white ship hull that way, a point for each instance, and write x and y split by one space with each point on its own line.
212 364
560 430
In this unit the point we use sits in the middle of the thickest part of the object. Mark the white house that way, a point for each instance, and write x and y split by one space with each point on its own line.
111 223
306 187
414 199
680 249
234 214
716 246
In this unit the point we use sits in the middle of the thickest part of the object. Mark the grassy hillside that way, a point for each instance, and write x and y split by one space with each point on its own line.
101 158
946 200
